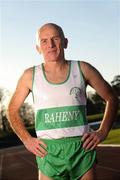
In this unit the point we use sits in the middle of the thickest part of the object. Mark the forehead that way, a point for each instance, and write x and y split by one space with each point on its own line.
48 31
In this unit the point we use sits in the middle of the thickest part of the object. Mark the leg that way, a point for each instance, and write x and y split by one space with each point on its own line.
41 176
90 174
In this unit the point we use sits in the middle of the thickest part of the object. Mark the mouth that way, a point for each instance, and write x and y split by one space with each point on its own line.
51 51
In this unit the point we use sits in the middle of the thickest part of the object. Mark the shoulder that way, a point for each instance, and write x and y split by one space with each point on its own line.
85 66
92 75
26 78
94 78
89 70
28 72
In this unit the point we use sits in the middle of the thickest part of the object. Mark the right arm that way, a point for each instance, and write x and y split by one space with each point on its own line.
22 91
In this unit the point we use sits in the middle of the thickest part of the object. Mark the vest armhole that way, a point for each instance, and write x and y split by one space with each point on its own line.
81 73
33 78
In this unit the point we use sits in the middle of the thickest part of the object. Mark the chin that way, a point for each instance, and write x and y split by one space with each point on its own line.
47 61
51 59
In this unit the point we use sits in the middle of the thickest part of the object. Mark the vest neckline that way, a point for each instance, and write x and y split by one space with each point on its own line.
60 83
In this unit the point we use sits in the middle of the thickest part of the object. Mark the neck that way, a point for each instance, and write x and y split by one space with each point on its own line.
54 65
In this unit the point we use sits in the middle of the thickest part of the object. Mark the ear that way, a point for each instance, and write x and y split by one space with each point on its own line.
38 49
65 43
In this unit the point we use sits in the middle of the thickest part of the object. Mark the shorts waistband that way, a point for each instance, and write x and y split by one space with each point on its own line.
62 140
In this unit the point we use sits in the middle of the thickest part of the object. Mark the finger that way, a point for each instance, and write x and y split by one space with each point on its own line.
38 153
93 147
87 141
91 144
37 149
42 150
42 144
85 136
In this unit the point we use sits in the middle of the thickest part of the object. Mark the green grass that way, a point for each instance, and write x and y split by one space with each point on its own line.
97 117
113 137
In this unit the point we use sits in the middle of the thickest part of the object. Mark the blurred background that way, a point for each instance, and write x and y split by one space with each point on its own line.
93 31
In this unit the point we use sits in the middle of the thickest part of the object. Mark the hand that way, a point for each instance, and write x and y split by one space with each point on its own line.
92 139
36 146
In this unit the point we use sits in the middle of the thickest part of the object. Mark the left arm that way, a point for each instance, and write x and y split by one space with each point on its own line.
94 79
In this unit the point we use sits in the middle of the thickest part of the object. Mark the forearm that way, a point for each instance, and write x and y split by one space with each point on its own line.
109 115
18 126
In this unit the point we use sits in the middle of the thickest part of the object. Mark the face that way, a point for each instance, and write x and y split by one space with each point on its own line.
52 44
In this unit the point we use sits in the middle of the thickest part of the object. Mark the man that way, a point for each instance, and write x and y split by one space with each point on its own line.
65 147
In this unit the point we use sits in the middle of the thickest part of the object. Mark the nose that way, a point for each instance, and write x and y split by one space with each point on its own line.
51 43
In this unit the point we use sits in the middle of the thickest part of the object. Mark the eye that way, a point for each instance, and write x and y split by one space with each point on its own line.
43 41
56 38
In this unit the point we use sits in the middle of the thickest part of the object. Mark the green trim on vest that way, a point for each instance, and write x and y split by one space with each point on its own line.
33 76
68 75
81 73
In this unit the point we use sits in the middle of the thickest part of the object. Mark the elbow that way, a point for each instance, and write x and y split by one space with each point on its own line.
10 113
114 101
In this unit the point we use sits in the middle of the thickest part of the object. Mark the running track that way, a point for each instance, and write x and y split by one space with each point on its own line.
16 163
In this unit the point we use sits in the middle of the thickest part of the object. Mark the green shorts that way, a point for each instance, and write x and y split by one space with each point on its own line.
66 159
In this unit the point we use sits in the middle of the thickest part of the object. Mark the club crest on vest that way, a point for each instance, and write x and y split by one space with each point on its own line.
76 92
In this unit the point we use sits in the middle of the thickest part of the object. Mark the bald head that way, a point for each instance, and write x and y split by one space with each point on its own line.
52 25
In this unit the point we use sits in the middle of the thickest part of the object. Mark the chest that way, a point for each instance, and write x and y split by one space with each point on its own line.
56 77
67 92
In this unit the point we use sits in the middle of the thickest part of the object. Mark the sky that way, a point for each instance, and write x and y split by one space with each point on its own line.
91 26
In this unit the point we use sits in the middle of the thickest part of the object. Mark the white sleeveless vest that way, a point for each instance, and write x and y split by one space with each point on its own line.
60 109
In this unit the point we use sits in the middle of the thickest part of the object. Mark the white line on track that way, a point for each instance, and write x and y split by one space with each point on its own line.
109 145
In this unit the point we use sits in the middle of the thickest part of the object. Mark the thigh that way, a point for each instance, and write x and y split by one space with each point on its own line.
90 174
41 176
